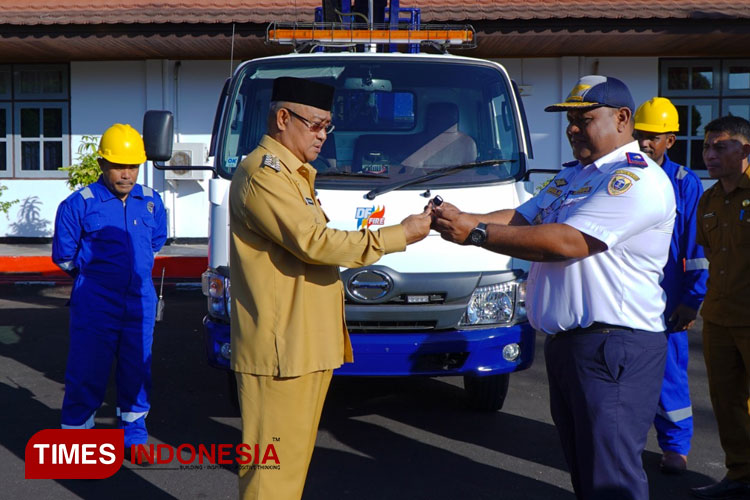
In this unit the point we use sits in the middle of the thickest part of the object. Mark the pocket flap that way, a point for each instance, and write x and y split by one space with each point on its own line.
92 223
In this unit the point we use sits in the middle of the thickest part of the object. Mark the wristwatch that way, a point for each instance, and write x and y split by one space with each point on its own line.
478 235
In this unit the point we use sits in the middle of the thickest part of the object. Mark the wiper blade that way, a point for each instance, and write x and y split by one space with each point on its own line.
342 173
440 172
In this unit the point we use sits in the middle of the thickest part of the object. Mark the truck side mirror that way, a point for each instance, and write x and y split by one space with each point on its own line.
158 131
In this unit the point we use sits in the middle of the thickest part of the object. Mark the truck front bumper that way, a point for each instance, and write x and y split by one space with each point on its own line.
476 352
454 352
457 352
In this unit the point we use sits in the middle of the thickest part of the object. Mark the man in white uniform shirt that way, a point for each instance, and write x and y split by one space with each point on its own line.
598 236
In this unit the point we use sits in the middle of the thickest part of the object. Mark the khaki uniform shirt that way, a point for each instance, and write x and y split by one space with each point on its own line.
724 230
287 297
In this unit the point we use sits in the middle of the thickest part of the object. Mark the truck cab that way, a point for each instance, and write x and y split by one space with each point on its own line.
408 127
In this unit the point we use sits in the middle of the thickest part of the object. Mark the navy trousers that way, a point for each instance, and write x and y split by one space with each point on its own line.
604 391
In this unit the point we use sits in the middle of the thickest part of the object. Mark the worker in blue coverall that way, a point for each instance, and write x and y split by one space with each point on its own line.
106 236
685 274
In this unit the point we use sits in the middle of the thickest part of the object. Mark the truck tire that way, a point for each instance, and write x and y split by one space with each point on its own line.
487 393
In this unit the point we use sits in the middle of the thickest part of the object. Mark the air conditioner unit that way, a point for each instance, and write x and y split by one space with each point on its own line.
187 153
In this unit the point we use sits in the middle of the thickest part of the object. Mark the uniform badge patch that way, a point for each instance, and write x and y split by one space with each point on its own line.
554 191
560 182
629 174
636 159
583 190
272 162
619 184
150 207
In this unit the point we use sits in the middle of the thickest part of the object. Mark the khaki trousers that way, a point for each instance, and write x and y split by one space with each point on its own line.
285 413
727 354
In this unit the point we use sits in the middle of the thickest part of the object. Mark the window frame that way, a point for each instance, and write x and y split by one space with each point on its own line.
7 72
18 140
690 64
7 139
720 97
11 103
40 96
725 90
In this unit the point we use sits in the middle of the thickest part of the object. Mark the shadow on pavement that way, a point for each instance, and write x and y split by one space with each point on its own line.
185 401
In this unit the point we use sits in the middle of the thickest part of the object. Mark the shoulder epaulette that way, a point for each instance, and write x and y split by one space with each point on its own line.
636 160
147 191
271 161
86 193
681 173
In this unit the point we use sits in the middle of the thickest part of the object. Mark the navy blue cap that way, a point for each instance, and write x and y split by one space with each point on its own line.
595 91
303 91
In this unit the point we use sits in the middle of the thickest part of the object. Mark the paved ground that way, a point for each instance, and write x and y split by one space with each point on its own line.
380 439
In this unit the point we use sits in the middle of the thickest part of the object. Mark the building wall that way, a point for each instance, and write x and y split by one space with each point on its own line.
549 80
107 92
103 93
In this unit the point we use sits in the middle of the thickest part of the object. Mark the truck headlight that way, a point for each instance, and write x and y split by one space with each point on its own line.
217 290
500 304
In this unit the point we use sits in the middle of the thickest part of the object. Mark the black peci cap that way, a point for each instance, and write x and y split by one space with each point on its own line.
303 91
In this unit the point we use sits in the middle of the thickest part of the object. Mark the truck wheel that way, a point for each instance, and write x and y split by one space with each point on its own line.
486 393
232 390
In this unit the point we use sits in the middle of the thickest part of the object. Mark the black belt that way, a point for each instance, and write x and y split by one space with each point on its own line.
596 327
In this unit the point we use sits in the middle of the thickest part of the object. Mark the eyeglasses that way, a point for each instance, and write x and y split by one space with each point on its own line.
314 127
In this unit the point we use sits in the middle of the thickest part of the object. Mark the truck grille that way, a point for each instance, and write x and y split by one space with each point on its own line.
411 299
409 326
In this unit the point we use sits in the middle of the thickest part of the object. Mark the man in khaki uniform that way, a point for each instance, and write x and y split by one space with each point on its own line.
723 223
288 330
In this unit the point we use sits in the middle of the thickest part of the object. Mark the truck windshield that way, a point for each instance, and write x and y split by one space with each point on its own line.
395 119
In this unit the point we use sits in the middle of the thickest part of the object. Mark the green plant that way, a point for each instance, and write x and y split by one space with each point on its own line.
86 169
5 205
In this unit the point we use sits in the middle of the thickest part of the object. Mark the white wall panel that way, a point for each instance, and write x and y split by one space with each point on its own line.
103 93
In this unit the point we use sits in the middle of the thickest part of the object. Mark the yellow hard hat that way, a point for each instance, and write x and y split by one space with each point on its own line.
122 144
657 115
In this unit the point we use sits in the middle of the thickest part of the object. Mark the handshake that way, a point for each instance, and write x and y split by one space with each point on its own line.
452 224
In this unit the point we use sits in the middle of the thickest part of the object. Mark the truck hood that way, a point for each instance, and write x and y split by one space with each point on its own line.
349 210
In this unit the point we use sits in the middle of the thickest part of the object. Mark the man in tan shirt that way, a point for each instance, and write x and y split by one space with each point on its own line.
288 329
723 224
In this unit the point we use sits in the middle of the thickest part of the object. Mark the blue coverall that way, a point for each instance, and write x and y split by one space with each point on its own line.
108 246
684 282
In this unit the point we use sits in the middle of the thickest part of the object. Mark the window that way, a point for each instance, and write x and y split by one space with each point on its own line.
395 121
701 90
34 120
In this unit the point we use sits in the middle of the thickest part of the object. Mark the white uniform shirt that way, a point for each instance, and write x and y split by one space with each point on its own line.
626 201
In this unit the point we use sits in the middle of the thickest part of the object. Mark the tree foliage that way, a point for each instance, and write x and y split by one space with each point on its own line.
5 205
86 169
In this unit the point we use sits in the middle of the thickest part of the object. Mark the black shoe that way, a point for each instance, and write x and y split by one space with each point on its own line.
725 489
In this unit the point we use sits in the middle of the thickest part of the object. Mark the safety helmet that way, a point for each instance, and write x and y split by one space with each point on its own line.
657 115
122 144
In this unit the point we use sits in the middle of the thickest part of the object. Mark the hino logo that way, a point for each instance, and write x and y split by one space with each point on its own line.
370 285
